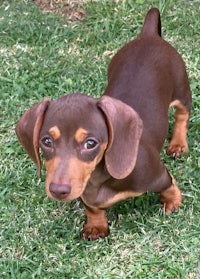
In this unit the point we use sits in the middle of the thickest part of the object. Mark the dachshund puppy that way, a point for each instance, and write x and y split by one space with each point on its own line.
106 150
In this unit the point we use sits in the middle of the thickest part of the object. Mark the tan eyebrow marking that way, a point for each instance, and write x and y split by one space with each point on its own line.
80 135
55 132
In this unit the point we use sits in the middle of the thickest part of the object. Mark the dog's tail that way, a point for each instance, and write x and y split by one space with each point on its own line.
152 23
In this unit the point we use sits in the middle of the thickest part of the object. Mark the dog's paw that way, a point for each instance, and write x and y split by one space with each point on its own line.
175 150
93 233
171 198
170 207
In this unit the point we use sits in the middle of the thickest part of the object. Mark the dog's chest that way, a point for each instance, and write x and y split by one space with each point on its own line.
105 196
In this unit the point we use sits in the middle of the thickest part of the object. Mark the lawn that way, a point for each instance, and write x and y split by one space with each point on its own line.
51 52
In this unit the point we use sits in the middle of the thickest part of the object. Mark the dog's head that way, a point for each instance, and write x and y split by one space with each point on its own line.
74 133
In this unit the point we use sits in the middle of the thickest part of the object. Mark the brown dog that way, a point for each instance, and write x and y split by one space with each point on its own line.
106 150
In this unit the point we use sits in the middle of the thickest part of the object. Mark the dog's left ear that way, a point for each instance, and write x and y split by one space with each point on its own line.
125 129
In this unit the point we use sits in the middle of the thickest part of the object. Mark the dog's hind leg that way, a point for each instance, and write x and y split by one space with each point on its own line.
178 143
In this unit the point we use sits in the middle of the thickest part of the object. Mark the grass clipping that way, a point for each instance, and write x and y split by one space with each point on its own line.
64 8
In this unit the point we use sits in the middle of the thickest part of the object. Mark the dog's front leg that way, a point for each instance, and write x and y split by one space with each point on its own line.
97 224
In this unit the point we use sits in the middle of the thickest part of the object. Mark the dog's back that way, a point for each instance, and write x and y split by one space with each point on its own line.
144 74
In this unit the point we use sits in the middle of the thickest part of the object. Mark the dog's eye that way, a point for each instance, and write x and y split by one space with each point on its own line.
47 141
90 144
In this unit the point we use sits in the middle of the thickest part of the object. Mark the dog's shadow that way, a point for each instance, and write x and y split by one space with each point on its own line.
133 212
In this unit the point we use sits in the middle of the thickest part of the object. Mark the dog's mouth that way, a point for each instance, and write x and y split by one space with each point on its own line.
64 192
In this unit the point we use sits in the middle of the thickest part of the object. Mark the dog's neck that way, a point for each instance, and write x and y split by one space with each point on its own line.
99 177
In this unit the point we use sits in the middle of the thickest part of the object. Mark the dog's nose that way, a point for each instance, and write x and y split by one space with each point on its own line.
59 191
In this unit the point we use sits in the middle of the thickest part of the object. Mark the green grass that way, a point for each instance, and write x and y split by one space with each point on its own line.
44 55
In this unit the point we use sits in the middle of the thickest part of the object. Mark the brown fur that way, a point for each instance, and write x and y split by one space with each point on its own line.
108 149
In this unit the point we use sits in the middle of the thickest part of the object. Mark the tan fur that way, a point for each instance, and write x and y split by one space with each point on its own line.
51 166
171 198
55 132
178 143
119 197
80 135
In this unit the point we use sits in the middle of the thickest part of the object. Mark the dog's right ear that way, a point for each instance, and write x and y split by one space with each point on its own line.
28 129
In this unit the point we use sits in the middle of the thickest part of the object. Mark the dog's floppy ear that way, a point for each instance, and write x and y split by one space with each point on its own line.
125 129
28 129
